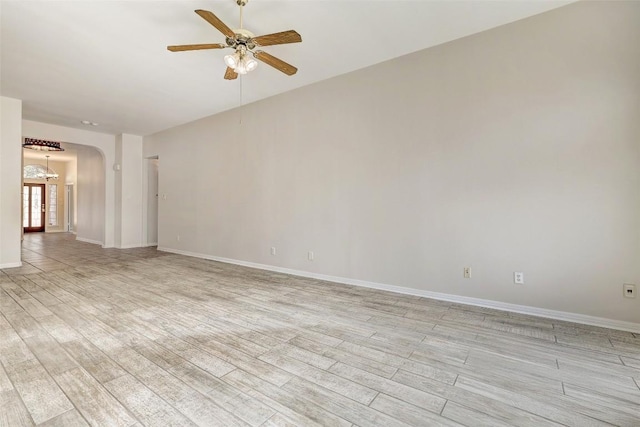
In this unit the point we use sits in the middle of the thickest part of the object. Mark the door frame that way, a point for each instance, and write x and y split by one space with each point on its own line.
150 207
69 216
43 206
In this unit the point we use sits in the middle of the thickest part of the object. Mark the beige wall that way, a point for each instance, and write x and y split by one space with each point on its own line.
129 196
10 181
90 196
517 149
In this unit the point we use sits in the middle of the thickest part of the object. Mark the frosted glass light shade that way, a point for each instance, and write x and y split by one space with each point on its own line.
240 62
233 60
251 64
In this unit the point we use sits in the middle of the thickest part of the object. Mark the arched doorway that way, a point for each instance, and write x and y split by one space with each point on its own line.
71 198
44 179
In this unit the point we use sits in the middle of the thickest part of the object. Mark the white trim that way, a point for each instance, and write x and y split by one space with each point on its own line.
95 242
505 306
11 265
147 245
129 246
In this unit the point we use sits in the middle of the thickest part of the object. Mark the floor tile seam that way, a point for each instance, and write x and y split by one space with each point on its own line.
50 375
537 346
141 380
517 406
561 376
556 403
17 393
299 376
329 392
384 380
47 256
199 346
614 369
269 399
488 332
124 405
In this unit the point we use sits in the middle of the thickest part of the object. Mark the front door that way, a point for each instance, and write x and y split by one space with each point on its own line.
33 207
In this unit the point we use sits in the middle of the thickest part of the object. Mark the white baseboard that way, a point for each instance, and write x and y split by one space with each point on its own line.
514 308
130 246
82 239
11 265
148 245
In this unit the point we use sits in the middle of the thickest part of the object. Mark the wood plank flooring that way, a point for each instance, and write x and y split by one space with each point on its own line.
106 337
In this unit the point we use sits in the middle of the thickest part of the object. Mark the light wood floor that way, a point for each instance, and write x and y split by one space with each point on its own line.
138 337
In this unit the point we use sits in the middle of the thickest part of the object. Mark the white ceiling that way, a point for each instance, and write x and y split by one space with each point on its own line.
106 61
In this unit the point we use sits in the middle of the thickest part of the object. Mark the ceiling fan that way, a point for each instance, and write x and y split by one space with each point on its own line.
245 45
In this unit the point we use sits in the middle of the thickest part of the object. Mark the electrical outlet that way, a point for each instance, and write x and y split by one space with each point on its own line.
273 250
310 255
467 272
518 278
178 237
629 290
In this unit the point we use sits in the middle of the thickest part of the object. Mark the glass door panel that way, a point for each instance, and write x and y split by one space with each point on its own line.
25 206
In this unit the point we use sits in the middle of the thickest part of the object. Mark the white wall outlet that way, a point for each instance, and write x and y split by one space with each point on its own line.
178 237
273 250
310 255
629 290
467 272
518 278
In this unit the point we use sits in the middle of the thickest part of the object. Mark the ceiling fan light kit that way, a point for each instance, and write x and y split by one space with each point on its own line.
244 43
240 61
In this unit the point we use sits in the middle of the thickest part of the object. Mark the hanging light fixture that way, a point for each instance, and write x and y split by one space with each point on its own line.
50 174
41 145
240 61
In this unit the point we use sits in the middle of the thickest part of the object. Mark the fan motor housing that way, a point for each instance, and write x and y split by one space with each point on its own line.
243 37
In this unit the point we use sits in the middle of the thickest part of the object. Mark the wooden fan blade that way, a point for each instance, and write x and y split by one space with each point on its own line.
184 47
230 74
216 22
276 63
283 37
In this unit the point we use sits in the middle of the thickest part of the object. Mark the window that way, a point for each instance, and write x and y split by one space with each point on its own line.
35 172
39 172
53 204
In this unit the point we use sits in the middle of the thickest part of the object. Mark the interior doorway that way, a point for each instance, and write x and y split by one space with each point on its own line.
33 207
152 201
69 208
